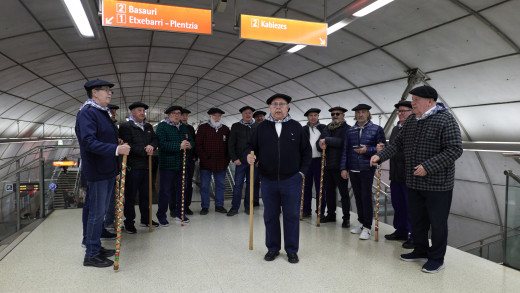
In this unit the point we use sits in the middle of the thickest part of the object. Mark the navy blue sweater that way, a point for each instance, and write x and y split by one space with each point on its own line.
98 143
281 157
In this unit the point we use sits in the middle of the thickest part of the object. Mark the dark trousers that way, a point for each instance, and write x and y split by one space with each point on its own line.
242 173
171 186
313 175
188 187
362 187
332 179
136 181
283 195
402 223
256 194
430 208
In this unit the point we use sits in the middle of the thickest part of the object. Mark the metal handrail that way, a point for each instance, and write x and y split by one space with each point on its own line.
34 149
512 175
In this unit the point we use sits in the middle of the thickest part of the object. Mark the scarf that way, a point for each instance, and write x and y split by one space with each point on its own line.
432 111
169 122
333 126
214 126
94 104
139 124
247 124
287 118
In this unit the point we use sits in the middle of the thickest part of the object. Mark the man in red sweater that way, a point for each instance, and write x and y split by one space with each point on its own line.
211 141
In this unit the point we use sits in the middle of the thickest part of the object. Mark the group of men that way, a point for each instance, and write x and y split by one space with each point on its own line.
284 154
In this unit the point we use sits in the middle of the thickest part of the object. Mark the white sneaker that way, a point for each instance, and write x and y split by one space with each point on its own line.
357 230
365 234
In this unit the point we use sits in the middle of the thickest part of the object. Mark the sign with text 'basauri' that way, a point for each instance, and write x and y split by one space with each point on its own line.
283 30
156 17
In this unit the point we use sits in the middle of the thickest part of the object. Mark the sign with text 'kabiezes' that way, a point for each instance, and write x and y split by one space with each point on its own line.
156 17
283 30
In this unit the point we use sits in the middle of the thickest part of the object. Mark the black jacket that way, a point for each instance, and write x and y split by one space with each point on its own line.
192 154
397 168
334 140
238 138
281 157
138 140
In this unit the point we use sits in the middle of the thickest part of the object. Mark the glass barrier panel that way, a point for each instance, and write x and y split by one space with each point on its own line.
512 257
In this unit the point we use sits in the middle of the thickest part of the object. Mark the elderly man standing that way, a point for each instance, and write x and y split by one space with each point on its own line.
259 116
238 137
313 130
174 138
331 140
139 134
431 142
283 154
360 144
99 150
212 149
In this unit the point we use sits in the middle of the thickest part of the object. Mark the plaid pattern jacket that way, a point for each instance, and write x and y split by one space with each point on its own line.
170 138
435 143
212 147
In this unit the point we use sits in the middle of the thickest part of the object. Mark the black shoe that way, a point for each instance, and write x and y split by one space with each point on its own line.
307 215
130 229
293 257
204 211
408 244
187 211
220 210
247 211
345 224
106 252
232 212
256 204
329 218
105 235
394 236
97 261
271 255
154 224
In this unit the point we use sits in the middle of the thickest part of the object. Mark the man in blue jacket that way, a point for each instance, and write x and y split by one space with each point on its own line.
360 144
99 150
284 154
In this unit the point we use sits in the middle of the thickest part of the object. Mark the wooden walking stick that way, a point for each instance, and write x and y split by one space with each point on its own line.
378 189
150 229
303 193
119 209
183 183
321 186
251 188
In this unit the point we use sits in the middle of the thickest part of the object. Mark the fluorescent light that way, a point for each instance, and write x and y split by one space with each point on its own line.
296 48
79 16
372 7
339 25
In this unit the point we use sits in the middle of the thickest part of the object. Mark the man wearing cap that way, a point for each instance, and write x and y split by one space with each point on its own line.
212 149
283 154
313 130
259 116
331 140
190 169
398 189
359 145
431 141
99 150
174 138
139 134
238 137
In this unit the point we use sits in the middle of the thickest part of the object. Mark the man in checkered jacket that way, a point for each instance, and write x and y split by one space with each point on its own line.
431 141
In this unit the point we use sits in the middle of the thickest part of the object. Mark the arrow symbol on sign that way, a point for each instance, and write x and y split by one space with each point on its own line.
109 20
322 41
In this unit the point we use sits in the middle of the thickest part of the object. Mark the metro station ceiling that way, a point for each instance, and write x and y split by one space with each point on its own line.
469 49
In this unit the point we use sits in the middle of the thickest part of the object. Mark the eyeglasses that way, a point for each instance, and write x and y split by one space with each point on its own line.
176 112
403 111
106 90
335 114
276 105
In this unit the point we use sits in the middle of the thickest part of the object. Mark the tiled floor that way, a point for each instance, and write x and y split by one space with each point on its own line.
210 254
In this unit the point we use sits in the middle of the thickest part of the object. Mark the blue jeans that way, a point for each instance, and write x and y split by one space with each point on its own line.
110 215
99 193
220 187
170 187
284 194
243 172
362 187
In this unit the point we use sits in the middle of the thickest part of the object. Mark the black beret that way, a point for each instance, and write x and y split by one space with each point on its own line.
114 107
173 108
259 113
361 107
338 108
403 103
285 97
215 110
245 108
312 110
425 92
185 111
137 105
89 85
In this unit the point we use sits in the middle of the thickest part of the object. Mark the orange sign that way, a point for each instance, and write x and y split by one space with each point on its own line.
156 17
64 163
283 30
